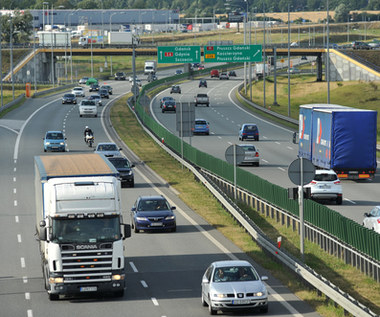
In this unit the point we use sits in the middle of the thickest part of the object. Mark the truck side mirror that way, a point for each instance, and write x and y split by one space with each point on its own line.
127 231
42 236
295 134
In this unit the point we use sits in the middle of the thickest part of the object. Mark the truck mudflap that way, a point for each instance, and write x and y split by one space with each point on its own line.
356 174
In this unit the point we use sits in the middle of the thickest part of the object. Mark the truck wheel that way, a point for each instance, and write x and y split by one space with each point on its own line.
119 293
53 297
132 184
339 200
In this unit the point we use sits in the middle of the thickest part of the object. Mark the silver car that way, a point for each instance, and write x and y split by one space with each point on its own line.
78 92
97 99
108 149
252 155
233 285
372 219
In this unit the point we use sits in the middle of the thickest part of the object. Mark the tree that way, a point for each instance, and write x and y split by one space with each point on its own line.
21 27
342 13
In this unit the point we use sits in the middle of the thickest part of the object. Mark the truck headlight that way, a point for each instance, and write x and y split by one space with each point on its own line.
118 277
55 280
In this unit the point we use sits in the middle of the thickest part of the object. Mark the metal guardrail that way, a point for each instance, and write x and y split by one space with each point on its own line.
343 299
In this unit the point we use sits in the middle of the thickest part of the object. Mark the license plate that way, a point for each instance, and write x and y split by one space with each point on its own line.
324 186
89 289
250 136
241 302
156 224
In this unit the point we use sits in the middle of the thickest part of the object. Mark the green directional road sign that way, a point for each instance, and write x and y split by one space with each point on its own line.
178 54
232 53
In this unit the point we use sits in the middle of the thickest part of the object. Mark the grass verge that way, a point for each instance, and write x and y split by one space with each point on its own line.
197 197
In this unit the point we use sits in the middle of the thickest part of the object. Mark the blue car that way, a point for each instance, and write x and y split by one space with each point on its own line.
152 213
201 126
249 131
54 141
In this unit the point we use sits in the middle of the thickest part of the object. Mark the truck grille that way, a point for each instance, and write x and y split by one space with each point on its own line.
87 263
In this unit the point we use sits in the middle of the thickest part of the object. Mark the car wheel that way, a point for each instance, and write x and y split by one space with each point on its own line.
257 139
204 303
119 293
163 111
257 164
264 310
174 229
96 116
136 230
44 150
80 115
339 200
211 310
53 297
132 184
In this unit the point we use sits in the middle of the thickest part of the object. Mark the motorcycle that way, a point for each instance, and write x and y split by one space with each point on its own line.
89 139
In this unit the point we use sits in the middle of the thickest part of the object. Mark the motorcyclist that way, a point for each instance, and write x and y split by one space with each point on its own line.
87 131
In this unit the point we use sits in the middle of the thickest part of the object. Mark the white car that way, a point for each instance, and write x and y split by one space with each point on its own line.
88 108
372 219
83 80
326 186
130 78
233 285
78 92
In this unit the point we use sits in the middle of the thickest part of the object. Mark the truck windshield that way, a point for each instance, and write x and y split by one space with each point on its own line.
85 230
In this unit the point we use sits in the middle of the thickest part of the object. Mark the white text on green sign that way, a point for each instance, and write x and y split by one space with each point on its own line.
178 54
232 53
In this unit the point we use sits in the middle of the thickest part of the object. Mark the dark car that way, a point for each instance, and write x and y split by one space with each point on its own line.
153 213
202 83
232 73
168 105
108 87
125 170
69 98
151 77
357 45
175 89
120 76
164 99
249 131
178 72
104 93
94 87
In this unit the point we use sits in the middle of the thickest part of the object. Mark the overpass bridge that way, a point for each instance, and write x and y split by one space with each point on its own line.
342 67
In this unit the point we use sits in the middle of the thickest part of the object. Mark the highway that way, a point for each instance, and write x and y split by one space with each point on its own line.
163 270
275 146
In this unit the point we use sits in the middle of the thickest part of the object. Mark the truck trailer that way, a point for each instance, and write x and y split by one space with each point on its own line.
117 38
61 39
344 139
79 225
305 127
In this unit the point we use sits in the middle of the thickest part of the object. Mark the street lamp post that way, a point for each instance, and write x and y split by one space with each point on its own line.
11 47
328 54
1 74
289 60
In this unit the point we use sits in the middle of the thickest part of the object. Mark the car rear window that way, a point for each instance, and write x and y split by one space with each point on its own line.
203 122
249 148
251 128
325 177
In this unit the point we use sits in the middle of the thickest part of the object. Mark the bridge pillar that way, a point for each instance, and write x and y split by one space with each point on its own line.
319 67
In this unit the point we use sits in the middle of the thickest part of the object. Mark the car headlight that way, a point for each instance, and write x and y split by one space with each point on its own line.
62 143
221 295
170 217
259 294
141 219
47 143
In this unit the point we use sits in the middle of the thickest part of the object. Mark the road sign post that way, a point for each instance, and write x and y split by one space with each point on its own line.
178 54
232 53
301 172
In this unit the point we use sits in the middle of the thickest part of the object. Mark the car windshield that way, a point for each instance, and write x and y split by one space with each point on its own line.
325 177
119 74
54 136
152 205
88 102
85 230
107 147
375 212
69 95
120 163
235 274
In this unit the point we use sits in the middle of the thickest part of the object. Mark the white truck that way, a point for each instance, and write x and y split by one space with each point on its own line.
259 69
117 38
62 39
79 224
150 67
87 40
